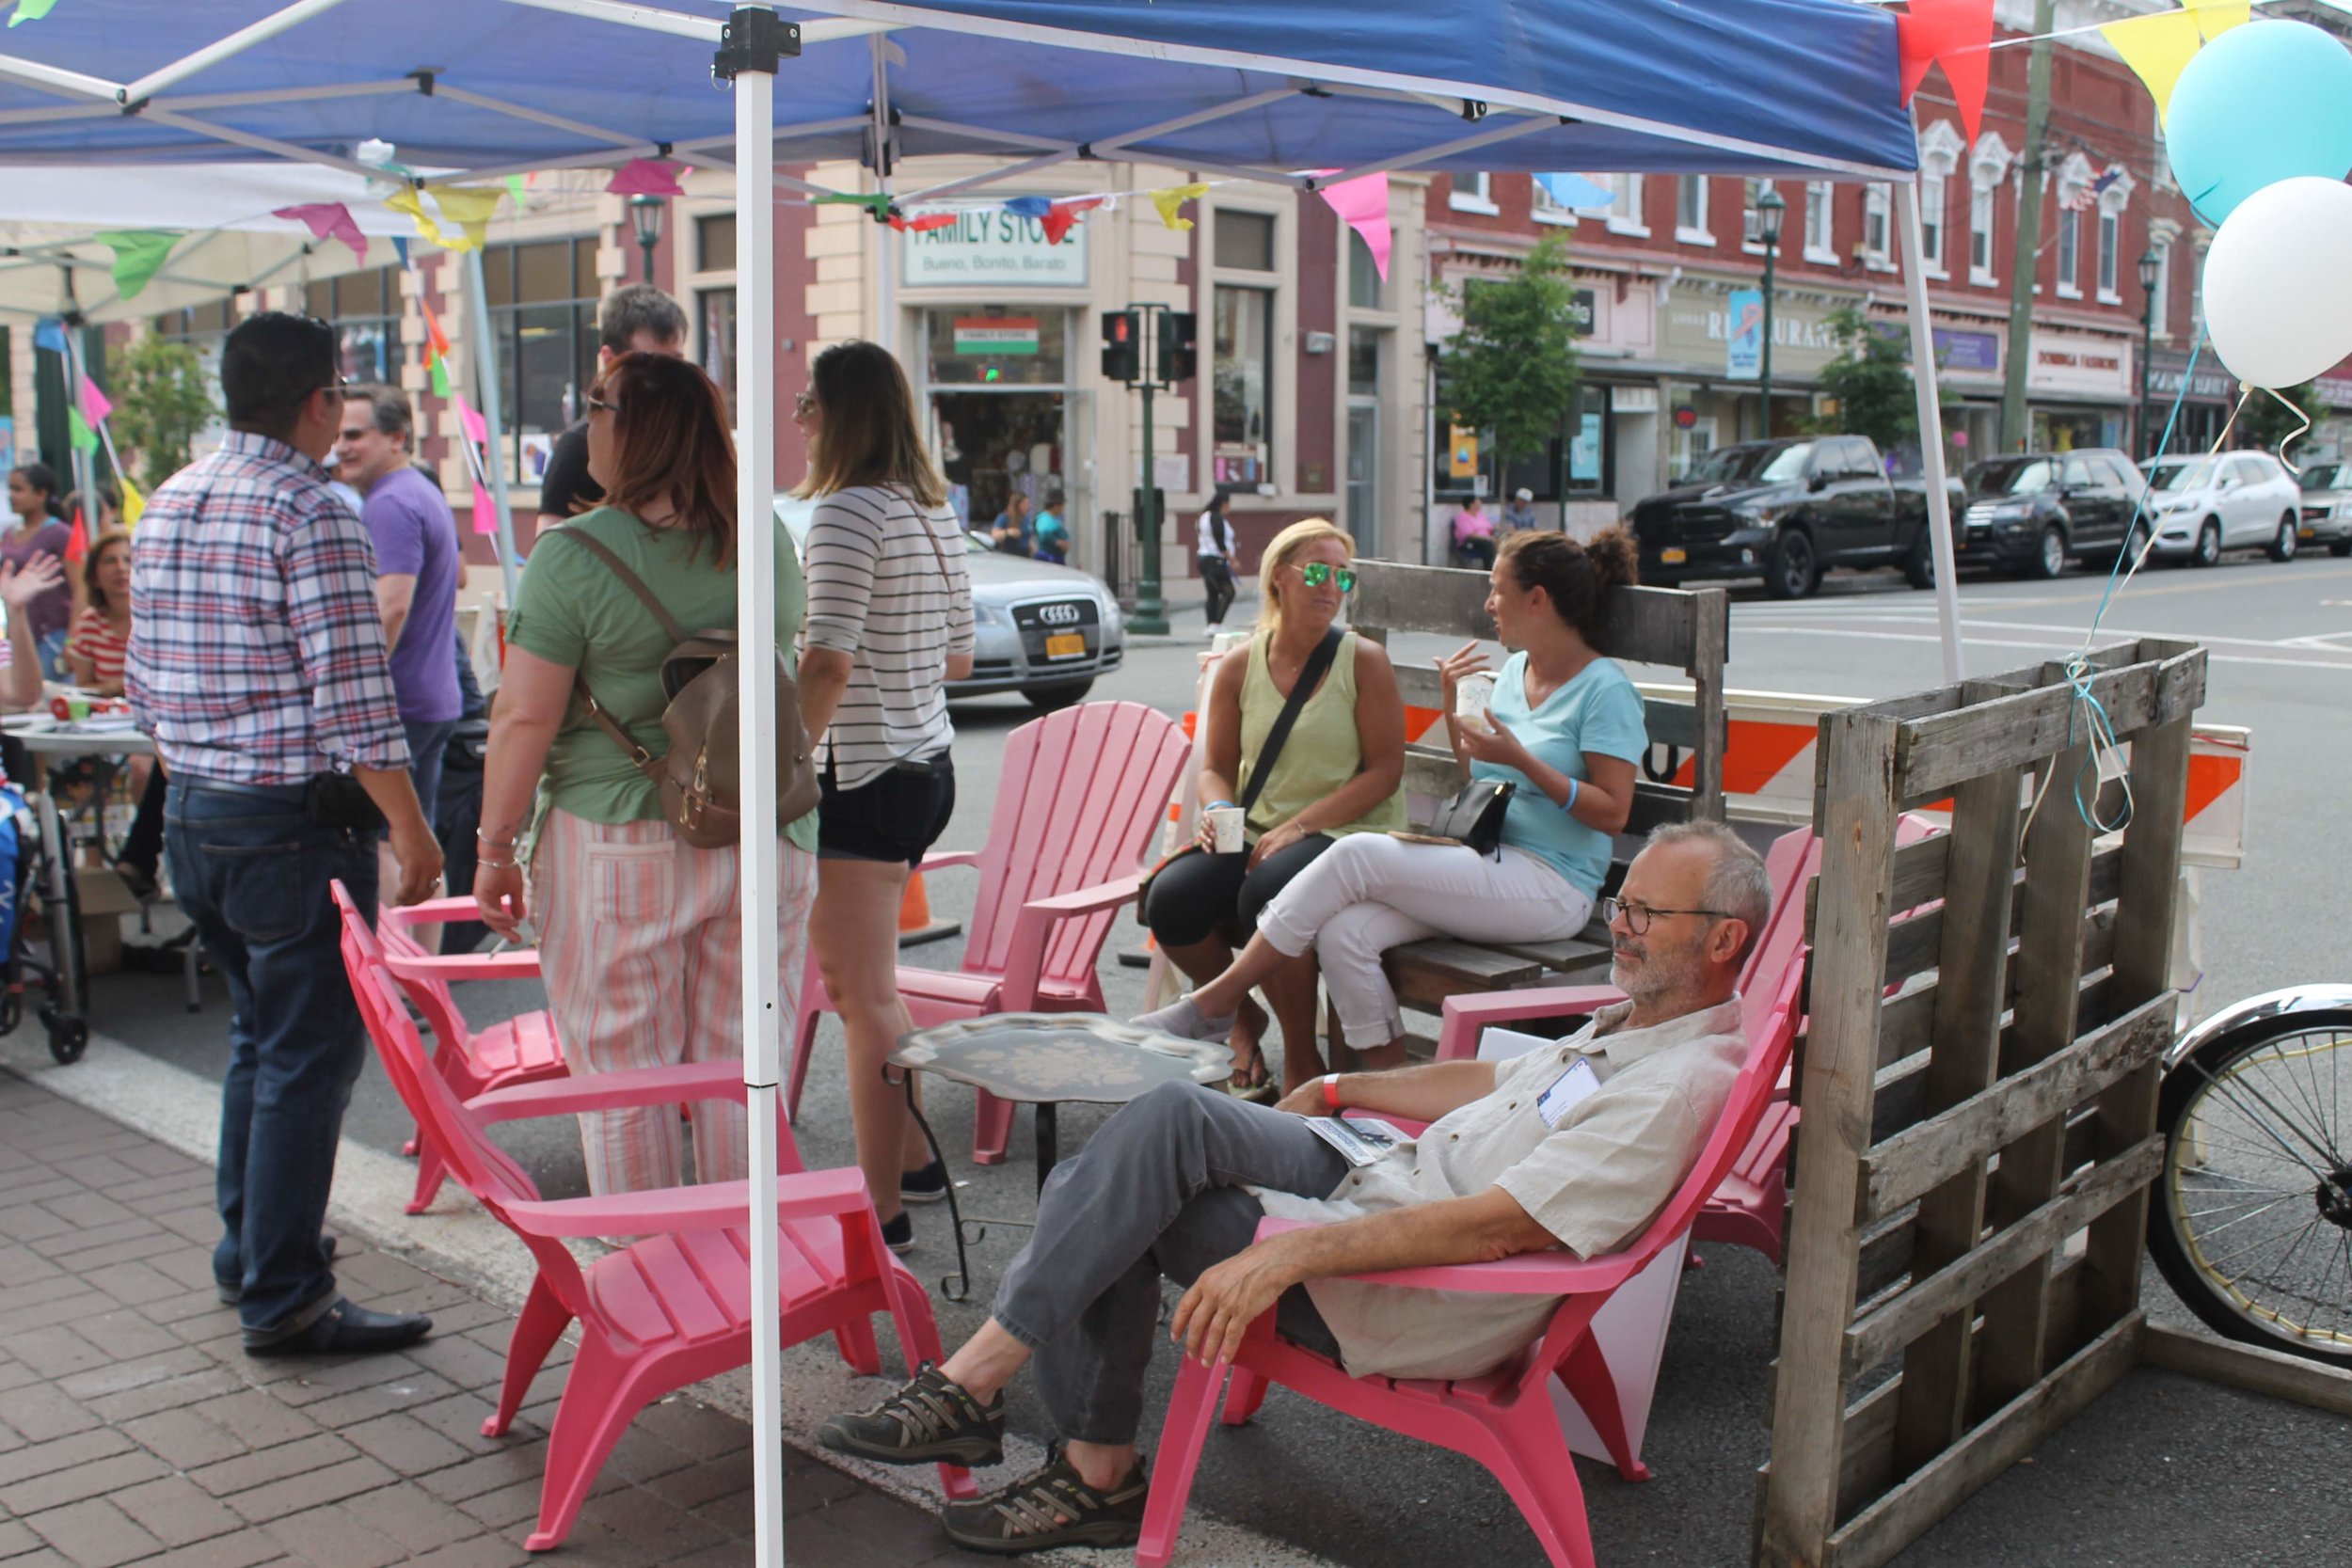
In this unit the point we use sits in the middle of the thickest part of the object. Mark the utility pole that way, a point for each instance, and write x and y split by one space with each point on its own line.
2015 429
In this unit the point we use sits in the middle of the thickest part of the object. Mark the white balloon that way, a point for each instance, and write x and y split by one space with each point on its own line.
2277 309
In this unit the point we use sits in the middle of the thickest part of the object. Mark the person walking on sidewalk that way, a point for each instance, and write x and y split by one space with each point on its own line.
1214 554
257 663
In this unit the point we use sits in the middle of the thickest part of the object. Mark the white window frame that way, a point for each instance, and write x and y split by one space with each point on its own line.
1752 192
1878 215
2070 252
2161 297
1685 234
1821 222
1625 214
1541 208
1478 198
1988 165
2112 201
1941 149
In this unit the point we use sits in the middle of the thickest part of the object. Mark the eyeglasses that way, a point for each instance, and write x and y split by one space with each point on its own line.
1316 573
804 405
597 405
1639 915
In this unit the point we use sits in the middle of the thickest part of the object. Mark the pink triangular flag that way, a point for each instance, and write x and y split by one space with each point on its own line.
94 405
1363 206
646 177
329 220
485 515
477 428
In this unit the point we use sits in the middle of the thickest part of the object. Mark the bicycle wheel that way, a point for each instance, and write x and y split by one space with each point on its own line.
2252 1222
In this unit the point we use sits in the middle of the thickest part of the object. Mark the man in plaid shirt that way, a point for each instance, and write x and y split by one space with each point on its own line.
257 662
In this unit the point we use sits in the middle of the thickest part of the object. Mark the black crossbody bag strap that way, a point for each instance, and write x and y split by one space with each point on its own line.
1310 677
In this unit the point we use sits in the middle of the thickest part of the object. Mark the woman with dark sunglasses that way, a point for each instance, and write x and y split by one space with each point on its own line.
1339 771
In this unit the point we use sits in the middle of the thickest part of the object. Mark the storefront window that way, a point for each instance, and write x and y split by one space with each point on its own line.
364 310
1245 240
543 312
1366 291
714 243
715 312
998 347
1241 408
1363 361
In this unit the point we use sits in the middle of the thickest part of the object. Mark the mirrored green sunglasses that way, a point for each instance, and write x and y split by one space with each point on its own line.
1316 573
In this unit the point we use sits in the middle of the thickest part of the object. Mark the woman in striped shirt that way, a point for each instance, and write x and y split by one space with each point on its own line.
93 654
889 625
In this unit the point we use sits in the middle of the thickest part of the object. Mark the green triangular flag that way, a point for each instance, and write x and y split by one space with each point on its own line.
139 255
31 10
79 434
514 189
439 368
877 202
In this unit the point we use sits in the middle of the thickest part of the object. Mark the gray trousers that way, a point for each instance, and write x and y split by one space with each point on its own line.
1157 1192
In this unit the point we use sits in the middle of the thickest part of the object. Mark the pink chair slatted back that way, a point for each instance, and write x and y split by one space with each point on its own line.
1079 802
1793 862
432 996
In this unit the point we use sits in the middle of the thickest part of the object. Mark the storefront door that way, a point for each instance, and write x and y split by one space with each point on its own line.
1000 410
1363 474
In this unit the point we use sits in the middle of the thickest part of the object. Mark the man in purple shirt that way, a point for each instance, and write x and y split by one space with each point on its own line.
417 568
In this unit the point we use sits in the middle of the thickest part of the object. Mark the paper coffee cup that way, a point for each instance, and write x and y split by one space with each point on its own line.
1473 696
1226 823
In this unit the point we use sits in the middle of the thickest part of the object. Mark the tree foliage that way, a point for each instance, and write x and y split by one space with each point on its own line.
1511 371
2268 424
160 405
1870 380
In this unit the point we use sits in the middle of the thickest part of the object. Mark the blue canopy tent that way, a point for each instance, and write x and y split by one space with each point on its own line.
1224 87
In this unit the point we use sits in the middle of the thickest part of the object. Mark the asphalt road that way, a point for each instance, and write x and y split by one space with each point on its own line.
2165 1471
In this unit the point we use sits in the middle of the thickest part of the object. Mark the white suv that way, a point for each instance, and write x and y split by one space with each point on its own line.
2233 501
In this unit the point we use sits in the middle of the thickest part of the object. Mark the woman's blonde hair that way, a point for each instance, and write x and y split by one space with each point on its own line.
1287 548
869 434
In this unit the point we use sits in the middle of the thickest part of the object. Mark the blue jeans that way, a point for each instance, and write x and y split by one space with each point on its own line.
251 871
428 743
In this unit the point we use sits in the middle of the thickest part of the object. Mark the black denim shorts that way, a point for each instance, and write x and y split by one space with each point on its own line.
896 815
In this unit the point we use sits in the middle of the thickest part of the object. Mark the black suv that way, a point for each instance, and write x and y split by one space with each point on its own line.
2028 513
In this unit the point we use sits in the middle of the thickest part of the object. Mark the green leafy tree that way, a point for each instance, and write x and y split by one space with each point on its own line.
2267 423
1870 381
160 405
1512 370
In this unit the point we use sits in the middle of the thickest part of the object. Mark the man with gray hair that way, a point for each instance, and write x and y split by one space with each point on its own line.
1576 1144
635 318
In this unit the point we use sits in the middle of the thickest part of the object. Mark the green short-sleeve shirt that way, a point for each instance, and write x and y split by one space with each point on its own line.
570 609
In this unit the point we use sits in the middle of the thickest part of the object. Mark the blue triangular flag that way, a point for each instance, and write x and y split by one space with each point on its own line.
1574 190
48 333
401 244
1029 206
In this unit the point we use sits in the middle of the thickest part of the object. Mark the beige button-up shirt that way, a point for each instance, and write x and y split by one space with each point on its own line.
1595 1181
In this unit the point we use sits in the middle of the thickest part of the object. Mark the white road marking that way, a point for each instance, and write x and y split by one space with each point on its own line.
2067 646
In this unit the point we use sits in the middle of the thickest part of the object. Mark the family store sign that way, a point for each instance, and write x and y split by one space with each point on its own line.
996 250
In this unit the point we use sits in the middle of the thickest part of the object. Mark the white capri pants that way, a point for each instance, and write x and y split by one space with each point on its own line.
1369 893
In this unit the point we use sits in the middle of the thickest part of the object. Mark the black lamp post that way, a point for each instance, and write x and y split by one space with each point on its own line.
1770 210
2148 268
644 216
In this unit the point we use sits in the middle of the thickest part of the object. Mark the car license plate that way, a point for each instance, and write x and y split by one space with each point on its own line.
2311 533
1066 644
1675 557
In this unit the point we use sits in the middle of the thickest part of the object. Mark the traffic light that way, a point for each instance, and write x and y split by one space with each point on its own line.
1178 360
1123 346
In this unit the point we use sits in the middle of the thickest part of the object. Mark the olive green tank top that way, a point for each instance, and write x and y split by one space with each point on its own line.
1322 754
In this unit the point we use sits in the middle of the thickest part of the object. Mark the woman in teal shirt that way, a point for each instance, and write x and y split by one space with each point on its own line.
1565 727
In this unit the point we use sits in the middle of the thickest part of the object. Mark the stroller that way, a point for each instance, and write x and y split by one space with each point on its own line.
26 864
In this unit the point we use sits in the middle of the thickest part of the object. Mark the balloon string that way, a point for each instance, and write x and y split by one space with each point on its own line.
2302 428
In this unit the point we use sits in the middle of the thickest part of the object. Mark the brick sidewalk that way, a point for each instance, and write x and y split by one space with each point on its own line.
134 1428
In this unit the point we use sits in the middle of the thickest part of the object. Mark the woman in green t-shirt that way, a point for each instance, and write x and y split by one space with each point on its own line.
640 935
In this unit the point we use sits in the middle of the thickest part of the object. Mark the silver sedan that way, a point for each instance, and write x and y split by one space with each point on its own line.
2327 506
1042 630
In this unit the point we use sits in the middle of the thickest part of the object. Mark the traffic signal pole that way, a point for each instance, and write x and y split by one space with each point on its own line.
1145 346
1150 616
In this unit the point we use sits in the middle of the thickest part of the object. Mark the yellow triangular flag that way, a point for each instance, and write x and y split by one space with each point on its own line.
2158 48
132 502
406 201
1174 197
470 209
2216 17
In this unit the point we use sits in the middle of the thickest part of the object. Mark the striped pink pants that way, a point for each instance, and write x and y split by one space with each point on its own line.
641 945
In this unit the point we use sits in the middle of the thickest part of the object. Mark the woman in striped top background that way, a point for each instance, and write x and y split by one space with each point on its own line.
889 625
102 635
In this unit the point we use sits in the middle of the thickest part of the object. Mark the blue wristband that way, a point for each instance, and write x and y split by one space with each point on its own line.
1569 804
1215 804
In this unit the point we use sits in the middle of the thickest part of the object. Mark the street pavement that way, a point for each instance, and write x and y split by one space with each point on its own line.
2166 1471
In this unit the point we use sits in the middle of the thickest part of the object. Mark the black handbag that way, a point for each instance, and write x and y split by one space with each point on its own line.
1473 816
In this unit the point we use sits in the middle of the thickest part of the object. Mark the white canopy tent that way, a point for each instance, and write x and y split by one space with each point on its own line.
1232 91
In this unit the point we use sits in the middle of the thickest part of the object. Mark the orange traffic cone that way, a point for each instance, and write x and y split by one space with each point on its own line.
915 925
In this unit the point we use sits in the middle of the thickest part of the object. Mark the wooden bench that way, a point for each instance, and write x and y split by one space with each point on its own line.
1683 629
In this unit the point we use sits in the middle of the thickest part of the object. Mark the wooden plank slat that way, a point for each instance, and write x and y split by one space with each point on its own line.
1460 964
1887 1526
1668 721
2250 1367
1446 601
2088 1194
1899 1171
2016 732
1710 651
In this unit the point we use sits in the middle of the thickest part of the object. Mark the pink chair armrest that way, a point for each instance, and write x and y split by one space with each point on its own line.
1550 1273
1034 923
611 1091
1468 1016
1103 895
433 912
520 964
947 860
716 1206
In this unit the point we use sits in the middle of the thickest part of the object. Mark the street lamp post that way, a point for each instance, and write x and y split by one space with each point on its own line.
644 216
1770 211
2148 266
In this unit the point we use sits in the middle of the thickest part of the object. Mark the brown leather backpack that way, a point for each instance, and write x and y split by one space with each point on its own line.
700 776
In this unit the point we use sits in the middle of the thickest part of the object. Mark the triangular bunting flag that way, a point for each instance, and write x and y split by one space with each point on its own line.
642 177
409 202
399 248
79 435
327 220
514 187
1029 206
139 254
78 542
1957 33
470 209
439 368
1063 216
434 336
134 504
1575 191
94 406
876 202
2216 17
1171 201
48 333
1363 206
2157 48
31 10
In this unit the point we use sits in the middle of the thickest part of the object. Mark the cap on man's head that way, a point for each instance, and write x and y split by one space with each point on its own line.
1523 494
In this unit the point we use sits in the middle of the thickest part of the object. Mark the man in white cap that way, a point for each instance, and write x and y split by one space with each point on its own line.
1520 516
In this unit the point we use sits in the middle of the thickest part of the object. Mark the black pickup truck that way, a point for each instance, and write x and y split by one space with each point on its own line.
1786 511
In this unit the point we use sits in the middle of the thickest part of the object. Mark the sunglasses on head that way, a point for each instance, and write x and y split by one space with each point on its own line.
1316 573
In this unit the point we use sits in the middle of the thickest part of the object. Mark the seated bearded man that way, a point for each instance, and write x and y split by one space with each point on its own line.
1576 1146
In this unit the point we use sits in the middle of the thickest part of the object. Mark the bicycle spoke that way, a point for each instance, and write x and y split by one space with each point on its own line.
2206 1235
2214 1263
2229 1094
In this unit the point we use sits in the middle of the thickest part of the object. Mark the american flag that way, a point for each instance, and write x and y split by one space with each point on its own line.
2083 195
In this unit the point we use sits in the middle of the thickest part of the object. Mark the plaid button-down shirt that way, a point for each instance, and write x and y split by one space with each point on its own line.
257 651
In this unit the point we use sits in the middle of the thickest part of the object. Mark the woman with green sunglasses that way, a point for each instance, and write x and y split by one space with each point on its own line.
1338 772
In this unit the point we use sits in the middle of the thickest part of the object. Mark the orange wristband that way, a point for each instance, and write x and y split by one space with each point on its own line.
1331 1092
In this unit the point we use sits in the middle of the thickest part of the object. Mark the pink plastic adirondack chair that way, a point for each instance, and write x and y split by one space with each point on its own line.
673 1308
1504 1419
521 1049
1078 806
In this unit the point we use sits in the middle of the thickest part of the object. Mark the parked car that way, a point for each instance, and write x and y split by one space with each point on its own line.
2327 506
2030 512
1786 511
2236 500
1042 630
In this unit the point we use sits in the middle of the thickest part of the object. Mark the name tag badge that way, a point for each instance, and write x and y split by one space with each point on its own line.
1567 1091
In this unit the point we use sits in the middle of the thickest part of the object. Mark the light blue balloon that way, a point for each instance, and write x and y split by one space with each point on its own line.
2262 102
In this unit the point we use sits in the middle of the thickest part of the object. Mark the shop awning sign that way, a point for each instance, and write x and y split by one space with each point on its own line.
994 249
995 335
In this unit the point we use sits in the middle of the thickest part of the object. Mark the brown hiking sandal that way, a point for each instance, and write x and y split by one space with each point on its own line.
1051 1508
930 1421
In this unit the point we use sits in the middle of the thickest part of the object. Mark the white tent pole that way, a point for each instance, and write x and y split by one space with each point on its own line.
885 275
235 44
756 628
73 84
1931 425
482 343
